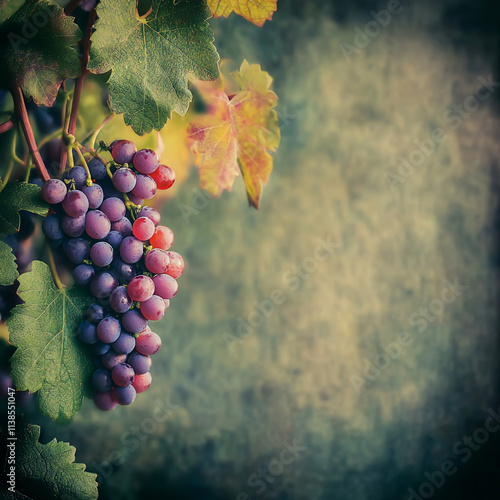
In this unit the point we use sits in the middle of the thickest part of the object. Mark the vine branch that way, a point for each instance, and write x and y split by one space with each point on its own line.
4 127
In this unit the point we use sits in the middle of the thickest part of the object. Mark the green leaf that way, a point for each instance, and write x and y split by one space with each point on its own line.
49 357
47 470
8 7
151 58
37 50
8 267
19 196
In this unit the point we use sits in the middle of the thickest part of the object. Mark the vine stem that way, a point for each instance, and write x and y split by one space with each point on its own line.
20 105
80 80
4 127
12 161
53 270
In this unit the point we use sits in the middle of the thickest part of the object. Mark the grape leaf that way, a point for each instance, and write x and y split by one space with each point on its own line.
151 58
255 11
8 7
236 134
8 269
19 196
47 470
37 50
49 357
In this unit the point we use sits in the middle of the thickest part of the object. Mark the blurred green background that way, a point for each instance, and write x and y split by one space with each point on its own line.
234 409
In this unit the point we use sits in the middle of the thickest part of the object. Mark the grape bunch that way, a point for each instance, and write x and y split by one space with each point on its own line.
122 253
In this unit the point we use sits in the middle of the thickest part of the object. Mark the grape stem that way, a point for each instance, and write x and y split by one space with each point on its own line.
76 147
4 127
20 106
53 270
11 164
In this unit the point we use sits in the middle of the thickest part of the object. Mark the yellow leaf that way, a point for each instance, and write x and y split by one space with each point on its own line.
255 11
236 134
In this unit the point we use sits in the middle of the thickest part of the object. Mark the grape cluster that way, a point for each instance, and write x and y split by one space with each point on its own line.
122 254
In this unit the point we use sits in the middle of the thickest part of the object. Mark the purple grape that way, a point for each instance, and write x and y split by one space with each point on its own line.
123 374
165 286
97 169
101 379
101 254
133 321
87 332
146 161
153 308
94 194
140 363
111 359
124 180
150 213
73 226
114 238
103 284
124 395
52 227
100 348
123 226
104 401
75 204
125 343
119 300
148 343
145 187
108 329
124 271
97 224
54 191
79 175
131 250
123 151
95 313
114 208
77 250
82 274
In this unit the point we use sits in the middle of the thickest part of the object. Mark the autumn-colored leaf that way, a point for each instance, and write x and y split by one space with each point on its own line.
255 11
237 134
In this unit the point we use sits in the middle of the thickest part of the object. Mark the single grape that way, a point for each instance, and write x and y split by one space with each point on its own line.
79 175
143 228
153 308
111 359
163 237
124 180
148 343
97 169
104 401
125 343
101 379
97 224
119 300
133 321
101 254
54 191
77 250
164 177
73 226
82 274
102 284
114 238
124 271
123 374
114 208
52 228
139 362
123 151
146 161
142 382
124 395
95 312
94 194
165 286
75 204
131 250
150 213
176 267
100 348
108 329
123 226
140 288
157 261
87 332
145 187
